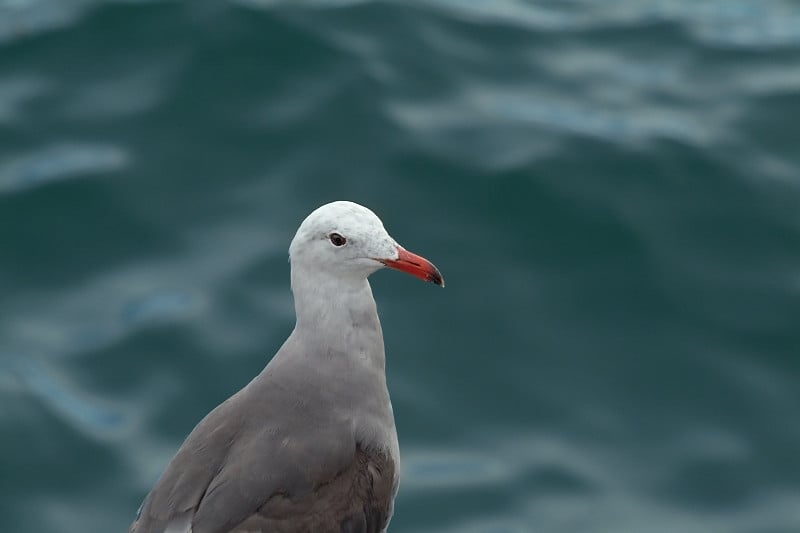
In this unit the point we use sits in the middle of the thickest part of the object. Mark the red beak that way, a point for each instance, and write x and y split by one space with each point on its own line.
415 265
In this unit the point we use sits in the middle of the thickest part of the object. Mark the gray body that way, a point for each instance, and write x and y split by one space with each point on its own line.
310 444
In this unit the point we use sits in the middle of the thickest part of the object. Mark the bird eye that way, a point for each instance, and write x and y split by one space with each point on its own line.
337 239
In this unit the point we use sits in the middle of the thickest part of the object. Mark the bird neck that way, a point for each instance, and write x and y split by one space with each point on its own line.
339 314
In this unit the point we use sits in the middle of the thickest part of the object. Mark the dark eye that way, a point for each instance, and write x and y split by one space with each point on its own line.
337 239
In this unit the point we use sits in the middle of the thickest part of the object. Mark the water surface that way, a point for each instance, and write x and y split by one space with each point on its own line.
612 191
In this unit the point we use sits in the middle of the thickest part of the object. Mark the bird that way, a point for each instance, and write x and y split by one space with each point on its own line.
310 444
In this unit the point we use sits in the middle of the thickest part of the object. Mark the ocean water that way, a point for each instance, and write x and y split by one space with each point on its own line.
611 190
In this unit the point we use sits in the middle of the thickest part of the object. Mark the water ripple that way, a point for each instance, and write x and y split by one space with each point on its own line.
739 23
442 469
119 97
24 18
89 413
15 92
60 162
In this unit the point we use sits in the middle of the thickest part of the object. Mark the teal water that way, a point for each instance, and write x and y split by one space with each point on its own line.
611 189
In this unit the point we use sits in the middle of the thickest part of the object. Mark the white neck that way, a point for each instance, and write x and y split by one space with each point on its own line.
339 314
339 331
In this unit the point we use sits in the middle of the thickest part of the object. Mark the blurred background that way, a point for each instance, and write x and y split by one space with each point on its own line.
611 189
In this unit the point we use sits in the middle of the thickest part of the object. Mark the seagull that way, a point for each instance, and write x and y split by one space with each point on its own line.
310 444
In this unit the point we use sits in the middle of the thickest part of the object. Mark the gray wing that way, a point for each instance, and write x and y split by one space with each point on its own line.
240 458
357 500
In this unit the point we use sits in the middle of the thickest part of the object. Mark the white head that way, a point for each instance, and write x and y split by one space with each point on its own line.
348 241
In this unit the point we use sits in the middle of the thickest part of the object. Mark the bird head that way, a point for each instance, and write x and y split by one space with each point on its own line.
349 241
